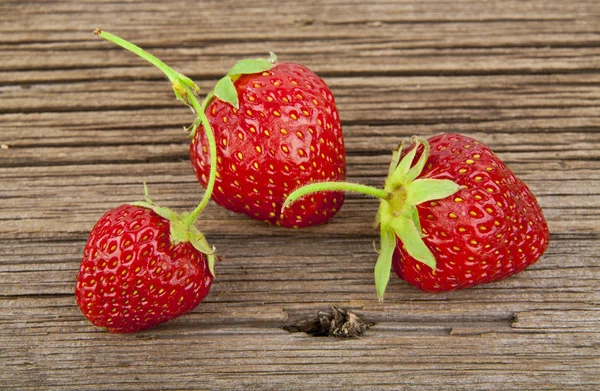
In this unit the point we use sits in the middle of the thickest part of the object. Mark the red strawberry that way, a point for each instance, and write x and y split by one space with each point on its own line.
132 277
278 129
489 230
452 216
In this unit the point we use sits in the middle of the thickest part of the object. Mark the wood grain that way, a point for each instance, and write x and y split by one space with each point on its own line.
82 123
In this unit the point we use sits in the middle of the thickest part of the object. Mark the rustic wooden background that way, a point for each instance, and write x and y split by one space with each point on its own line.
82 123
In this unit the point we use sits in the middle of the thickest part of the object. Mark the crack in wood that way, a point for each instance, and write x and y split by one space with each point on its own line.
335 322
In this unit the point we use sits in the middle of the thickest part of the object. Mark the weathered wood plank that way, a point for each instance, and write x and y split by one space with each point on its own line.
82 123
475 62
381 94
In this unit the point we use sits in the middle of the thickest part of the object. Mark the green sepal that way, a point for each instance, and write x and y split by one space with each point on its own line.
190 83
247 67
422 190
414 172
159 210
414 216
395 159
377 222
399 174
181 93
210 259
193 128
412 241
179 232
225 88
198 240
225 91
384 260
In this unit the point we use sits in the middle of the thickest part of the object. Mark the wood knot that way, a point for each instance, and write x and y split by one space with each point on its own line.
336 322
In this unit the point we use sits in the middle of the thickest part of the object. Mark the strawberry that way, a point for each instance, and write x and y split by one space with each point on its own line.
277 128
132 277
144 264
490 229
452 216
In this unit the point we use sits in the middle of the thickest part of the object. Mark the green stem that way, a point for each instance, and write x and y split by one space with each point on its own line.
168 71
179 82
335 186
212 146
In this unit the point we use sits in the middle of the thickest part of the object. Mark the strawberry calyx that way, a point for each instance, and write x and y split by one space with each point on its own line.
397 216
225 88
182 227
180 231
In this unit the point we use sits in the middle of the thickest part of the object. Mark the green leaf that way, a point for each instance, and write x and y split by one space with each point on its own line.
247 67
384 261
414 172
411 238
225 91
423 190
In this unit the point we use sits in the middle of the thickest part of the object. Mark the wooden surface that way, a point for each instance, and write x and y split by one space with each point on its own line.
82 123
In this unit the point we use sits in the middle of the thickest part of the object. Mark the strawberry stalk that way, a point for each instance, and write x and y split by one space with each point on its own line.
182 224
397 216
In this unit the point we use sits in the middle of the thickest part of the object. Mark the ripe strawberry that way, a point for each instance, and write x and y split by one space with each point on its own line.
132 277
276 129
452 216
490 229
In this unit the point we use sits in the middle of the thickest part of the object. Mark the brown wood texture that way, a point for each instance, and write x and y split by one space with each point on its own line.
83 122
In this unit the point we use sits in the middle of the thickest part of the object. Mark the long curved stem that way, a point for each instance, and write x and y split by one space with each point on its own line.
168 71
212 146
335 186
187 89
